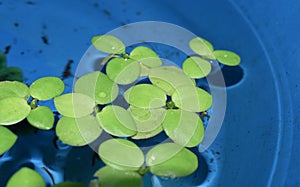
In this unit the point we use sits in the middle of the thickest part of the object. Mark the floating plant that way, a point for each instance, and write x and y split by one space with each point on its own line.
169 103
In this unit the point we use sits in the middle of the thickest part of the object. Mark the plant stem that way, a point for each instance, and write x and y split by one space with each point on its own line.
33 103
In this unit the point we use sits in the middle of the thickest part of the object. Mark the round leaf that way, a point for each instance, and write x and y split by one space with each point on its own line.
117 121
184 128
146 56
145 96
78 131
13 89
148 121
171 160
227 57
202 47
13 110
122 70
26 177
192 99
168 78
41 117
110 177
46 88
74 105
196 67
69 184
98 86
121 154
108 44
7 139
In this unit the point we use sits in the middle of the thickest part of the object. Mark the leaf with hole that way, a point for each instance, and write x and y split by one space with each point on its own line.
13 110
69 184
146 56
117 121
148 121
14 89
41 117
145 96
196 67
110 177
123 71
46 88
227 57
171 160
26 177
74 105
7 139
192 99
98 86
121 154
108 44
202 47
184 128
78 131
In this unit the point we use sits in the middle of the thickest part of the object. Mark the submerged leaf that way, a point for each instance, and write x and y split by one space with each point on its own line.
110 177
121 154
69 184
196 67
46 88
171 160
13 110
184 128
108 44
11 74
117 121
123 71
146 56
13 89
7 139
74 105
26 177
145 96
78 131
227 57
41 117
98 86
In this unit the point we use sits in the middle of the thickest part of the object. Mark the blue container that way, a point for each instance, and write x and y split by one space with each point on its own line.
258 142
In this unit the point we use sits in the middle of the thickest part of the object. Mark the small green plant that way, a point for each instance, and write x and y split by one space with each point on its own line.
9 73
171 103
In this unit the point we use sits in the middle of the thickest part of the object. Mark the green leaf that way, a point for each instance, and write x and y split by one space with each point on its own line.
146 56
121 154
7 139
69 184
108 44
74 105
26 177
171 160
184 128
41 117
227 57
117 121
168 78
11 74
110 177
202 47
196 67
192 99
98 86
13 110
122 70
145 96
46 88
148 121
78 131
13 89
